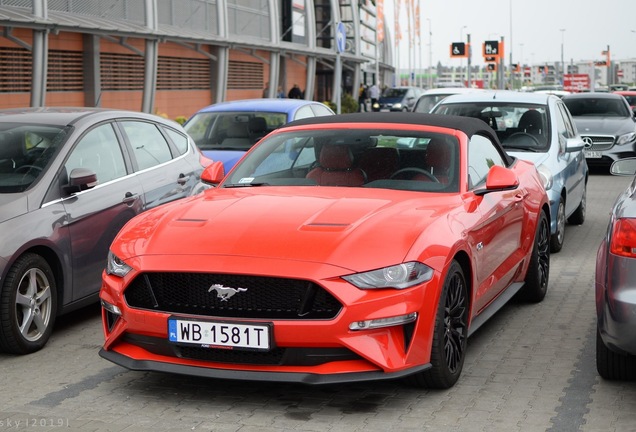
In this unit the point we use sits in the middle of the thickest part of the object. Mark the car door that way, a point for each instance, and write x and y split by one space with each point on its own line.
498 234
95 215
576 165
163 171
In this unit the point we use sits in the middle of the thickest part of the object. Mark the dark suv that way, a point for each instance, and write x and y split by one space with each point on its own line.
398 99
607 125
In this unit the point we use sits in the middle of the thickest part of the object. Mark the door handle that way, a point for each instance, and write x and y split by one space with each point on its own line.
183 179
130 198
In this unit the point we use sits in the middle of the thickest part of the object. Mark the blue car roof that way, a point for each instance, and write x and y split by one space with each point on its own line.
265 104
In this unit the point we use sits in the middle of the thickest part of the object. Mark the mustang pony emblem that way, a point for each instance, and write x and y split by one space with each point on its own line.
223 292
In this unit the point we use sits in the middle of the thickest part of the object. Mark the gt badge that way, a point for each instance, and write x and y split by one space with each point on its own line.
223 292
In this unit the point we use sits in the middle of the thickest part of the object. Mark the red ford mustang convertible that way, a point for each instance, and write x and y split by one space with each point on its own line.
354 247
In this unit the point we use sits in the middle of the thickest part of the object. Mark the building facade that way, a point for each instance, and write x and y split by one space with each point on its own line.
176 56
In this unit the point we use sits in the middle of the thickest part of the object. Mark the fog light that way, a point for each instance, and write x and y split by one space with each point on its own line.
383 322
111 308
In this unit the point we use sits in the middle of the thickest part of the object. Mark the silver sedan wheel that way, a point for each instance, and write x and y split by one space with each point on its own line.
556 241
33 305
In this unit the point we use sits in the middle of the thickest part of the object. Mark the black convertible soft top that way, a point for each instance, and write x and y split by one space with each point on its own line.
468 125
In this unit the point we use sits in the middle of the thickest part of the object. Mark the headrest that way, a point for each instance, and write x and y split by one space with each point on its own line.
237 130
336 157
438 154
531 121
11 146
257 124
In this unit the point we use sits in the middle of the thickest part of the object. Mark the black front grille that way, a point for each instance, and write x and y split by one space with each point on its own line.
246 296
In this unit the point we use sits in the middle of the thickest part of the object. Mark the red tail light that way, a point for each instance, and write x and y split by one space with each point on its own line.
623 240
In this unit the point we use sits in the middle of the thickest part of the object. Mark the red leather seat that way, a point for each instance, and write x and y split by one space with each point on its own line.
335 168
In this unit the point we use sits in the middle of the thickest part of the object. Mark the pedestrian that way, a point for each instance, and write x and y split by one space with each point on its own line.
280 94
266 90
295 92
374 94
362 98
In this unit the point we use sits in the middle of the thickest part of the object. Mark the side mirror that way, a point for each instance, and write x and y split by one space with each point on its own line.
81 179
499 179
624 167
213 174
574 144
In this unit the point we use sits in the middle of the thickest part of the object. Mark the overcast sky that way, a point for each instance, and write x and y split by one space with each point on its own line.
590 26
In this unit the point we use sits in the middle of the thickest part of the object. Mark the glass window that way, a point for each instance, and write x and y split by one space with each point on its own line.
520 127
304 112
100 152
321 110
179 140
393 159
482 155
148 144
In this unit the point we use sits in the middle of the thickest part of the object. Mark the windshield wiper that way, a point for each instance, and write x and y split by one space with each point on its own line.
520 148
238 185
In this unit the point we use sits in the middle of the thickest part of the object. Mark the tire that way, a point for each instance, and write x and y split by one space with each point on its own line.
578 217
449 335
28 296
556 240
612 365
536 283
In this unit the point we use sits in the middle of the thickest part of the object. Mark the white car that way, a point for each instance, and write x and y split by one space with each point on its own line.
539 128
430 98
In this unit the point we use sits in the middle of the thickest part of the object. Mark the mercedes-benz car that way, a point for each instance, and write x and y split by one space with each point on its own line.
607 124
330 253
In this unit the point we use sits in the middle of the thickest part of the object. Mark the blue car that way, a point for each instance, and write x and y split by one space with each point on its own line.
225 131
540 129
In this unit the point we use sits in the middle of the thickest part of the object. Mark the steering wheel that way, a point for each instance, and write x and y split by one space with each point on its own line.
517 136
27 168
414 171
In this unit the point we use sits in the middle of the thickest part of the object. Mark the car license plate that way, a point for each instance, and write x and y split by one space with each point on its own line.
592 154
220 334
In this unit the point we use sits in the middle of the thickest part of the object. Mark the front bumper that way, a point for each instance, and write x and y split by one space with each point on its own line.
290 377
138 338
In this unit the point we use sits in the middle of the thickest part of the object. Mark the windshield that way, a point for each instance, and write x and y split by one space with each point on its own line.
391 159
426 102
25 150
232 130
520 127
595 107
394 92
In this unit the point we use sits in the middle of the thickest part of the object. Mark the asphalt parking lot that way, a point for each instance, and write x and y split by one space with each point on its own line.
530 368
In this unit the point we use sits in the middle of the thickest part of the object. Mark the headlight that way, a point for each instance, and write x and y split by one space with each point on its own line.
116 266
397 105
625 139
546 176
376 105
398 276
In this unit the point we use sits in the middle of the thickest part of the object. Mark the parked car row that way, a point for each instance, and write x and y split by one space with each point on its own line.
204 286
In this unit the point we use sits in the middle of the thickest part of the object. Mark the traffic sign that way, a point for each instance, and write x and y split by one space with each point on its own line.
458 49
491 49
341 37
490 59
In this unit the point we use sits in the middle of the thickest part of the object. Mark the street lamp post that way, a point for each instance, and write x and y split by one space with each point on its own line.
562 61
461 39
430 53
